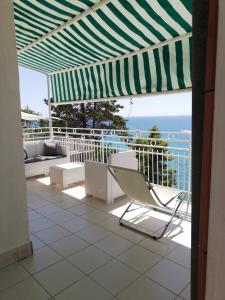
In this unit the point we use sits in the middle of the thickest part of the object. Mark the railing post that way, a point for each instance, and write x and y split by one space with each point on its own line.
49 109
102 144
189 168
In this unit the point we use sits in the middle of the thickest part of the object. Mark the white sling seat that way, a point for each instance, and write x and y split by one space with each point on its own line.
136 186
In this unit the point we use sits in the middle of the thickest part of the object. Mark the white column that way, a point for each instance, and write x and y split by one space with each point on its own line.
14 237
49 108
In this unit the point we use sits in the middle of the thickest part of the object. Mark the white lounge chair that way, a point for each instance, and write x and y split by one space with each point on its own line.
136 186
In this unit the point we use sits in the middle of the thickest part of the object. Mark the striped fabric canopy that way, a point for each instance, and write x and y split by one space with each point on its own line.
106 49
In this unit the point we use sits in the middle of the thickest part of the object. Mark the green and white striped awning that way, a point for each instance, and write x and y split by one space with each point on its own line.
106 49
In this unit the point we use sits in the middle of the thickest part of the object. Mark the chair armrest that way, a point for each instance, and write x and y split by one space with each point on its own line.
96 179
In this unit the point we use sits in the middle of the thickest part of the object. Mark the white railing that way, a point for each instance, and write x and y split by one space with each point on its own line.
165 160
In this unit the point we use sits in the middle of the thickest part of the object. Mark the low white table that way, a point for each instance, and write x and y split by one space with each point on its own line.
65 174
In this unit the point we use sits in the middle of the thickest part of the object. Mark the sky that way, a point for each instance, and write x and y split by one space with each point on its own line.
33 89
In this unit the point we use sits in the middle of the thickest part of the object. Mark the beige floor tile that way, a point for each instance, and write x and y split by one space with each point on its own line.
89 259
35 204
95 203
69 245
85 289
119 210
180 232
117 204
61 217
150 223
96 216
40 224
37 244
48 210
52 234
59 276
93 234
11 275
26 290
58 196
162 247
181 255
111 224
81 209
32 215
130 235
32 197
170 275
41 259
139 259
145 289
186 294
114 276
68 203
114 245
76 224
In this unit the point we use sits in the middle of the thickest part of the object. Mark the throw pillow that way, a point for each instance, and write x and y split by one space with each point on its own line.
51 149
25 155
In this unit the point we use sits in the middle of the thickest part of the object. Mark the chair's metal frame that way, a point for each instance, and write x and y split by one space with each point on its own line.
180 196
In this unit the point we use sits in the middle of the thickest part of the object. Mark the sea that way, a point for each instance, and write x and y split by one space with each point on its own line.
181 124
178 144
164 123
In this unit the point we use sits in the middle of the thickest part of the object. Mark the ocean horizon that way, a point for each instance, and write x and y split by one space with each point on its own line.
169 123
164 123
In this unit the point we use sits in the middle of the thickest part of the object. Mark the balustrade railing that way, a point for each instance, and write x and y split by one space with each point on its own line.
164 157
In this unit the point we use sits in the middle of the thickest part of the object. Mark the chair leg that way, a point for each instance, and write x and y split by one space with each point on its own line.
143 232
166 226
127 210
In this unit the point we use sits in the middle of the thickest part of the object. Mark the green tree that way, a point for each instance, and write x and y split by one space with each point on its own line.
102 115
154 159
28 110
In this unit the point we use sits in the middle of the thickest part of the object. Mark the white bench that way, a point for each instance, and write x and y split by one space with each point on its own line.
36 148
65 174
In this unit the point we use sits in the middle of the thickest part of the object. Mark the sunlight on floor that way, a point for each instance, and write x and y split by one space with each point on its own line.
117 212
44 180
179 230
77 192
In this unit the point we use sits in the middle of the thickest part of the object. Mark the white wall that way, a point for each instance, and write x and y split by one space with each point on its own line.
13 212
215 289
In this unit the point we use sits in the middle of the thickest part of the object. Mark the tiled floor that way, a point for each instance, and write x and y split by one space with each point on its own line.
81 252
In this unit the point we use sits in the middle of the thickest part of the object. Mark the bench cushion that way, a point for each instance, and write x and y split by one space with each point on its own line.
41 158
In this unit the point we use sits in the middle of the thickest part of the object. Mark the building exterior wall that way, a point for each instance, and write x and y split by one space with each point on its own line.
14 234
215 288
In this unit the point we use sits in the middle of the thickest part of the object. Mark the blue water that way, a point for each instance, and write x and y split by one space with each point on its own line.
181 124
172 123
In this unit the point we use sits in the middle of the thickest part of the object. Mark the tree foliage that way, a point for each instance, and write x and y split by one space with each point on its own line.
154 159
103 115
28 110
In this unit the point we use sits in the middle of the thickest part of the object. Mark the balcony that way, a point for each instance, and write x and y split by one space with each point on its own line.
155 159
80 250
